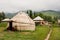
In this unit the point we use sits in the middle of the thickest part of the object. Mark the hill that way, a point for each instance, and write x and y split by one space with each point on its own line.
10 15
51 13
46 12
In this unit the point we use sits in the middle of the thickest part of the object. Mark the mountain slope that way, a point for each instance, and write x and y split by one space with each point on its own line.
46 12
51 13
10 15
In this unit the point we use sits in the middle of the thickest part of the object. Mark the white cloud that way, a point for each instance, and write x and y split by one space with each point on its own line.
15 5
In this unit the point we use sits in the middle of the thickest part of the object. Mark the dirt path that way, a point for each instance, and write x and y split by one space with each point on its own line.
47 38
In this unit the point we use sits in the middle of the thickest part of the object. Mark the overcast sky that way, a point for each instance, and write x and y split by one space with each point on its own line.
35 5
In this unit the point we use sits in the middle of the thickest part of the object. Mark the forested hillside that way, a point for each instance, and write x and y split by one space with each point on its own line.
51 13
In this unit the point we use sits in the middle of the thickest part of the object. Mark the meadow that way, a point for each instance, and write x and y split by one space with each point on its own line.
39 34
55 35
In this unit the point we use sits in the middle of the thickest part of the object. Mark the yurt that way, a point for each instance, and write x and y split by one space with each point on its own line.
38 20
58 21
22 21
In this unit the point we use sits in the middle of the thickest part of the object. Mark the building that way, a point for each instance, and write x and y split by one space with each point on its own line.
21 21
58 21
38 20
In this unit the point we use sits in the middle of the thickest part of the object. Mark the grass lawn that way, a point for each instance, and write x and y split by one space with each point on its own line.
3 24
39 34
55 34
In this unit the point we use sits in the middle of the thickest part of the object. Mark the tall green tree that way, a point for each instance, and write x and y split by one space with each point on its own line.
2 16
30 13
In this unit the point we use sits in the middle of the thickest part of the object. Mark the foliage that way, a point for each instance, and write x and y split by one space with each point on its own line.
48 18
30 13
2 16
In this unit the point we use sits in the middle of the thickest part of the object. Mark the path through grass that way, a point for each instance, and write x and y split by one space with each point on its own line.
55 34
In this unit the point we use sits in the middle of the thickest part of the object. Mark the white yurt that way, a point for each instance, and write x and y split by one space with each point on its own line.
22 21
39 20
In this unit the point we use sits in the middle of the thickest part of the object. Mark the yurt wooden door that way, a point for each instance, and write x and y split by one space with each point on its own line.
10 25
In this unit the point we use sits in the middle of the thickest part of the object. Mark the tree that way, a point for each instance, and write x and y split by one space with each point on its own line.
34 14
48 18
2 16
30 13
41 15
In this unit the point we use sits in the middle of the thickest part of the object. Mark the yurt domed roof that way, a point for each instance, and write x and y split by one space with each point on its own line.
38 18
22 17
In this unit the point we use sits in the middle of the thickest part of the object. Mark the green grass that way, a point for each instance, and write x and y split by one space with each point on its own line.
39 34
55 34
3 24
